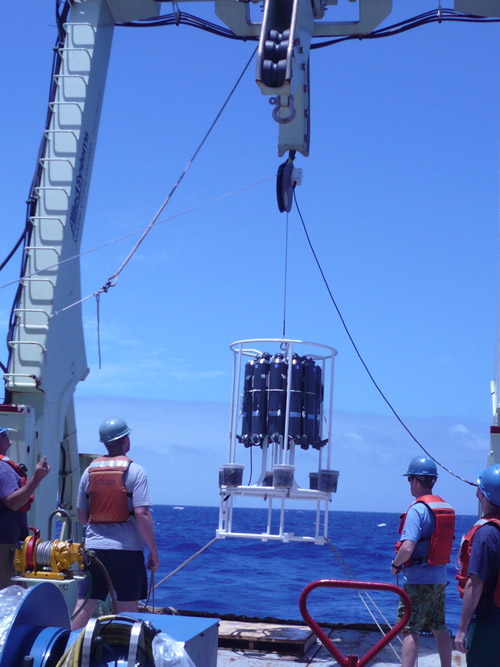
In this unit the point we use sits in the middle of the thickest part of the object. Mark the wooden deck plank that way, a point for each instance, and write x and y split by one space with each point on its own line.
290 639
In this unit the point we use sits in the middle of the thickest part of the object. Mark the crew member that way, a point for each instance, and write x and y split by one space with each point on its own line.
422 554
16 496
479 580
113 504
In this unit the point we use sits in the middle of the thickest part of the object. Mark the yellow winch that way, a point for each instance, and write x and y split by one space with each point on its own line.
48 559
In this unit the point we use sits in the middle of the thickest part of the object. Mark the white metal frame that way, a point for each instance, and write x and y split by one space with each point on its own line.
277 453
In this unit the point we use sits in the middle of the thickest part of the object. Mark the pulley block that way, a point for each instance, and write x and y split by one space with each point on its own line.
287 178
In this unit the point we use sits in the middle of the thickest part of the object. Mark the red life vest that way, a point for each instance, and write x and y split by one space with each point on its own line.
441 540
21 471
465 551
107 493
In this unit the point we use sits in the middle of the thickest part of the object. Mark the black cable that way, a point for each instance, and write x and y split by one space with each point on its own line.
62 9
358 353
184 18
11 253
433 16
251 466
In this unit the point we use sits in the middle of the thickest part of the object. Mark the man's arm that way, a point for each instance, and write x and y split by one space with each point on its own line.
20 496
83 516
144 522
472 593
404 553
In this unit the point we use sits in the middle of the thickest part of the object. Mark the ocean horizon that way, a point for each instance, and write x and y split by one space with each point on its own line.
248 577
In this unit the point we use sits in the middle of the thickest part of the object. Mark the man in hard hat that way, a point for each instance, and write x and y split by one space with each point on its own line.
113 504
479 579
424 549
16 496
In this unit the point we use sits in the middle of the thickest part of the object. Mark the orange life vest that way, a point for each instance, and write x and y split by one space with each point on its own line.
465 551
21 471
441 540
107 493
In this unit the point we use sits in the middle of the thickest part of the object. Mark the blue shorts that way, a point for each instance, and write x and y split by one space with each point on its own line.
483 641
126 570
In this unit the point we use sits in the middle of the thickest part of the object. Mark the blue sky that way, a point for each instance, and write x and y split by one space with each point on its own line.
400 197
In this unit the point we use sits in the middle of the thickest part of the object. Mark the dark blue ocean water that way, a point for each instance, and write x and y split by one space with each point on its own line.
252 578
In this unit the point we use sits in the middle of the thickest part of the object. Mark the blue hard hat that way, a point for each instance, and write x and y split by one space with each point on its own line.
422 466
3 430
489 482
112 429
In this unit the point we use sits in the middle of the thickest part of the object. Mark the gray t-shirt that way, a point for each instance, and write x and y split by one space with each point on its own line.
120 536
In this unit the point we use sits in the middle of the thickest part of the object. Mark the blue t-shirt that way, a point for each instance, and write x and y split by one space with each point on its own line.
485 563
124 535
13 525
420 523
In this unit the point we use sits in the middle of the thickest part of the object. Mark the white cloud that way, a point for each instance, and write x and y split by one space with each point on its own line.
460 428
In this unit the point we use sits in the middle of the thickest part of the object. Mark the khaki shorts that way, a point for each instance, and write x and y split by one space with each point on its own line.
427 608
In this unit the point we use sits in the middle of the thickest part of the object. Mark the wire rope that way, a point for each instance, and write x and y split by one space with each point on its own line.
139 231
209 544
112 280
349 573
285 280
360 357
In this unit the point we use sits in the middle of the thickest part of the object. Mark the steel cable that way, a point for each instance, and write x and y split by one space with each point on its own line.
186 562
349 573
360 357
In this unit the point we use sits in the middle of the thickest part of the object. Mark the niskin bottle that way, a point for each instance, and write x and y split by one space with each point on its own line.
246 405
276 406
310 401
295 424
259 398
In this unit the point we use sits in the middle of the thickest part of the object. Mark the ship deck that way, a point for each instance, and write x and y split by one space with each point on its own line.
262 644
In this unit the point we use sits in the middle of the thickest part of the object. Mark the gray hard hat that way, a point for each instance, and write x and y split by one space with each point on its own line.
113 429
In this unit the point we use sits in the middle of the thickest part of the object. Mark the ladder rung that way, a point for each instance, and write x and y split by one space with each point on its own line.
37 247
45 218
18 343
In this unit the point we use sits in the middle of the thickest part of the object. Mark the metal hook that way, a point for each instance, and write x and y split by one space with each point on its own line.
277 106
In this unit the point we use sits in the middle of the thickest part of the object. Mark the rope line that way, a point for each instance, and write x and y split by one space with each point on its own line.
358 353
138 231
347 570
186 562
98 303
320 646
113 279
111 282
285 277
